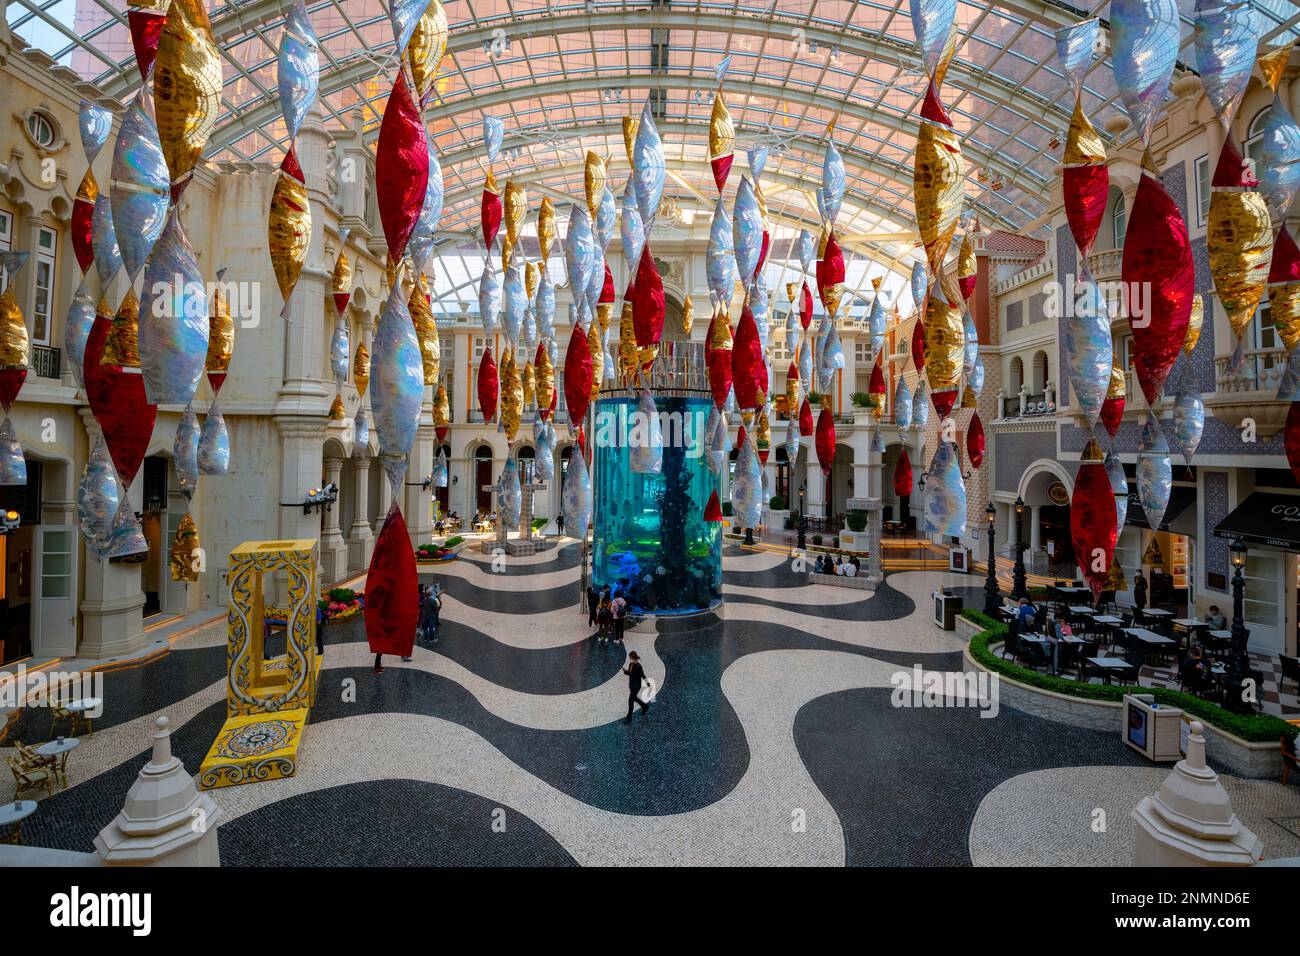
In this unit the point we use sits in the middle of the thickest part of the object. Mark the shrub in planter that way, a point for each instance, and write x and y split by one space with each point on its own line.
539 523
453 541
816 539
863 400
777 503
726 508
856 520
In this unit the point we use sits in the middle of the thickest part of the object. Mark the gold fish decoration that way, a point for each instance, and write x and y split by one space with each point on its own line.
341 281
546 227
15 347
1272 66
1239 240
545 379
187 86
530 385
688 316
441 407
532 277
1194 324
764 430
425 49
722 131
361 369
289 226
185 558
1083 144
426 330
630 126
337 412
938 190
514 207
512 395
967 399
1117 388
122 346
627 350
593 179
944 344
221 333
604 311
597 350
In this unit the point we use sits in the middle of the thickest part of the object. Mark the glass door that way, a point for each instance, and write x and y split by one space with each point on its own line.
54 613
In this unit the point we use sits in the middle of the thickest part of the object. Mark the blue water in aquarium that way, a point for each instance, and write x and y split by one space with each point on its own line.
651 541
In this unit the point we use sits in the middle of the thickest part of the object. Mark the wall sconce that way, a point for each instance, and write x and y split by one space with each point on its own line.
10 522
320 498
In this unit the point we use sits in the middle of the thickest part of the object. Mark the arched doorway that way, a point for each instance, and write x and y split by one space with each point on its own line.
782 475
1046 489
839 486
482 478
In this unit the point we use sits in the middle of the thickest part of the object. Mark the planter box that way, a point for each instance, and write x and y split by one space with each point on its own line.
1244 758
861 583
853 541
776 520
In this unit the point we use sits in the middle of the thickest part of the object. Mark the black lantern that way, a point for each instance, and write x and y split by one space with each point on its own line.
1019 585
992 599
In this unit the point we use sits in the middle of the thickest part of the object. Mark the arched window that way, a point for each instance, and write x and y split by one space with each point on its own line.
1040 373
1255 133
1119 220
1016 377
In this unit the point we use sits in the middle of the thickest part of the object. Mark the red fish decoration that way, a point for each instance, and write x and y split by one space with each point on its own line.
830 269
805 419
1093 527
713 510
748 369
392 600
1112 413
117 399
577 375
82 213
805 306
490 212
146 30
401 168
1159 282
647 302
903 475
918 345
721 167
825 440
1085 190
11 383
488 385
877 384
975 441
607 293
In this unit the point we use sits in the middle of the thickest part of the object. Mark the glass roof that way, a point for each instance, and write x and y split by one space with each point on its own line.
562 75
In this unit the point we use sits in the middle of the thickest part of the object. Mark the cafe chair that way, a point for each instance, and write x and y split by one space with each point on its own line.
1288 758
1081 654
31 776
1011 646
76 720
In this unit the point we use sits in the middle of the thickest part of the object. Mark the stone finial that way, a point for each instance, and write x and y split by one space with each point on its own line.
165 820
1189 821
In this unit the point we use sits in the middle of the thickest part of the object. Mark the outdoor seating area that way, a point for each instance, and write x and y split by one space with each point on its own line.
1065 636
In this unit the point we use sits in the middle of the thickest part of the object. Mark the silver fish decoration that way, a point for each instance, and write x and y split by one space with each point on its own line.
438 476
976 377
757 161
361 429
758 309
1226 38
173 328
404 15
717 445
932 23
396 385
920 405
920 284
1278 169
76 330
515 300
1188 422
876 323
902 403
420 245
1119 486
747 488
576 496
185 452
1076 48
746 231
631 228
340 349
126 539
877 443
806 250
1151 439
945 494
298 68
510 497
528 334
833 181
489 297
719 258
214 444
13 466
648 167
494 133
141 187
95 122
606 218
1144 39
545 306
645 438
1155 482
544 461
806 362
97 499
971 344
832 359
580 251
792 441
103 239
1088 353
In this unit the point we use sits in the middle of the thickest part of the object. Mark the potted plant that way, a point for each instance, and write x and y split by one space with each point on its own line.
866 407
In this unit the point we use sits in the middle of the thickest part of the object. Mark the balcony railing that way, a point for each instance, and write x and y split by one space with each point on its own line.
46 362
1035 406
1261 371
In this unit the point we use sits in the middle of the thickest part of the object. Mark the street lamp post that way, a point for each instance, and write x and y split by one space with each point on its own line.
992 599
803 522
1019 586
1238 660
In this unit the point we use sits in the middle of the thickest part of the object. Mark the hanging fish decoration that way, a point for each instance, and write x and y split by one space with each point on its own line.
397 374
833 182
1144 48
792 441
920 406
1188 422
1155 475
649 169
648 302
185 452
944 352
581 254
824 438
489 297
544 462
1093 527
1084 176
945 494
722 137
1159 281
146 18
214 443
975 381
13 466
1278 152
576 496
1112 409
806 361
288 225
97 499
339 349
510 498
103 240
361 430
938 185
173 328
141 187
187 86
401 168
1284 289
748 368
361 369
1087 349
76 330
632 229
578 375
425 49
1238 239
420 245
747 231
511 401
919 285
645 438
426 330
1194 323
902 403
1119 488
975 441
720 260
746 490
515 300
116 396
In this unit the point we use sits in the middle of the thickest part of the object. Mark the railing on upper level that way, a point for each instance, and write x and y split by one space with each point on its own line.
1261 371
1036 405
46 362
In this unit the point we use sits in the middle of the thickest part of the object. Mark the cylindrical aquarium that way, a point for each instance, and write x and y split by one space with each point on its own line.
651 542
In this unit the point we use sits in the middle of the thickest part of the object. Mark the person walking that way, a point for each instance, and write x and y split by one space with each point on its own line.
559 525
619 607
635 678
1140 590
591 606
430 610
321 617
604 617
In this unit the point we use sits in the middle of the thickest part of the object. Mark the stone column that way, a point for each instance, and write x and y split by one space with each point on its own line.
385 500
1189 820
333 549
1035 529
816 481
302 440
416 506
166 820
361 539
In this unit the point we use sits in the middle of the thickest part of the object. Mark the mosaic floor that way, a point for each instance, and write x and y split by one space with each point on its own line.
773 740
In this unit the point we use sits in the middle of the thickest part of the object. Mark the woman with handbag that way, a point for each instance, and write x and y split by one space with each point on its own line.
635 677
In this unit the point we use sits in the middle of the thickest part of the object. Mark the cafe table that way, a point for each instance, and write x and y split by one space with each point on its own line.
1081 609
12 815
59 750
1111 665
83 708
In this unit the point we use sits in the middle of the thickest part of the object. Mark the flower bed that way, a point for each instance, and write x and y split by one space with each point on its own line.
341 604
434 553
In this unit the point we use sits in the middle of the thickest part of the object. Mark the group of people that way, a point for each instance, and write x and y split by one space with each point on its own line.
607 613
847 569
448 523
426 628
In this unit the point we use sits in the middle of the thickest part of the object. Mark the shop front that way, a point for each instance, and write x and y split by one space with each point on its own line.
1166 554
1268 524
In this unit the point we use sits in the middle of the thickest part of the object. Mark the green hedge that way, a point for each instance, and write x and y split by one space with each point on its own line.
777 503
1261 728
453 541
856 520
